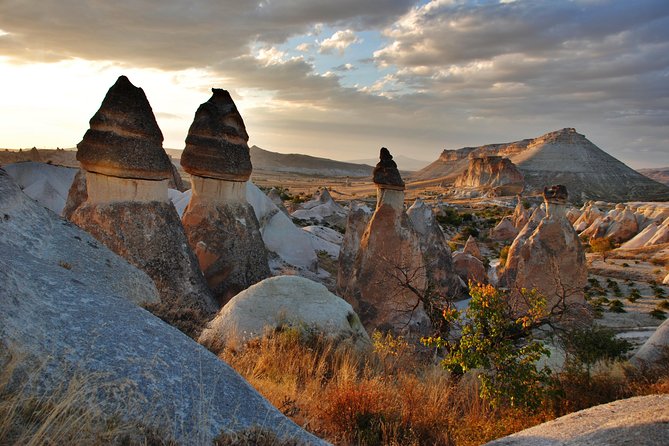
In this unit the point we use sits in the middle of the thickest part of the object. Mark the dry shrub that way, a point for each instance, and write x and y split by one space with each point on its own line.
190 321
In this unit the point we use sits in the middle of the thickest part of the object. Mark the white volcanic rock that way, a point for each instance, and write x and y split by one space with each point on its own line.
45 183
661 235
638 420
624 225
588 216
322 208
68 315
357 221
655 349
36 242
520 215
666 280
279 233
640 240
274 195
325 239
278 302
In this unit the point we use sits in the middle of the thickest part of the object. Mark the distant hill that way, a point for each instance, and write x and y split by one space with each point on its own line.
305 164
560 157
403 162
660 174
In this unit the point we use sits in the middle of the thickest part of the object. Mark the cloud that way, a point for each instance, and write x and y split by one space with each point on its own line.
304 47
338 42
345 67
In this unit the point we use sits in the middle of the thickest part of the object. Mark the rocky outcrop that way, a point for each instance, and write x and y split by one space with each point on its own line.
491 176
505 230
588 216
278 303
35 242
322 209
68 318
642 419
127 206
356 223
275 196
520 215
385 174
624 225
655 351
559 157
472 248
220 224
469 268
551 259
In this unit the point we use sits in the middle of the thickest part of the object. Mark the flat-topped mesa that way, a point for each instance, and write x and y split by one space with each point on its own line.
220 224
389 183
124 139
216 145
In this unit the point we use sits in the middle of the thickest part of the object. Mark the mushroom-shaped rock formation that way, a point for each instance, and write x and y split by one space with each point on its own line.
391 262
551 259
280 302
221 225
126 203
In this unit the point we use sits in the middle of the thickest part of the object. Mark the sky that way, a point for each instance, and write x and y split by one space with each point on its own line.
340 79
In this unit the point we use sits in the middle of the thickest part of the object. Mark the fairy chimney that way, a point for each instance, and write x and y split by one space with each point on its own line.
221 225
548 256
126 205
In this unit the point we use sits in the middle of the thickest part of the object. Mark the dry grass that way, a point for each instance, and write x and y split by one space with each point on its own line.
390 396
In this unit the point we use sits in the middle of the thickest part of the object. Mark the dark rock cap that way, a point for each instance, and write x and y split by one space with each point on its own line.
556 194
124 139
216 145
386 174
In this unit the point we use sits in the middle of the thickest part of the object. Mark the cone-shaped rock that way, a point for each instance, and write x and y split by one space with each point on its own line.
124 139
216 146
221 225
385 173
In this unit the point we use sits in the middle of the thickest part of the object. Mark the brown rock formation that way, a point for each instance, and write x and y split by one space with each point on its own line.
624 225
472 248
395 265
221 225
494 175
124 139
131 213
505 230
551 259
358 219
520 215
469 268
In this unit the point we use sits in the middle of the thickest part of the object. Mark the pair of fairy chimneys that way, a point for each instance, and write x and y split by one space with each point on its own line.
124 159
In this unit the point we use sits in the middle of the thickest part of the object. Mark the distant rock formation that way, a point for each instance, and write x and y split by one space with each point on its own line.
393 260
127 206
661 174
564 157
504 231
490 175
655 350
281 302
469 268
70 315
472 248
322 209
220 224
549 258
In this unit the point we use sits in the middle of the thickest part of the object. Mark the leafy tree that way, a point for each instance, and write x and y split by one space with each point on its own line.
602 246
498 347
585 347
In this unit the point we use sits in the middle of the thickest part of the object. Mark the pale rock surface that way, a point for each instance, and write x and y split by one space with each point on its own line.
661 236
520 215
655 349
325 239
640 240
505 230
639 420
322 208
58 323
573 215
76 194
274 195
491 175
469 268
472 248
36 242
279 302
45 183
666 280
588 216
551 259
624 225
220 224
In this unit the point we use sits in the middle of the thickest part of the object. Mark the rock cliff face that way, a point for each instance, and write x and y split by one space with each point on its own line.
126 203
492 175
221 225
560 157
132 366
549 258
